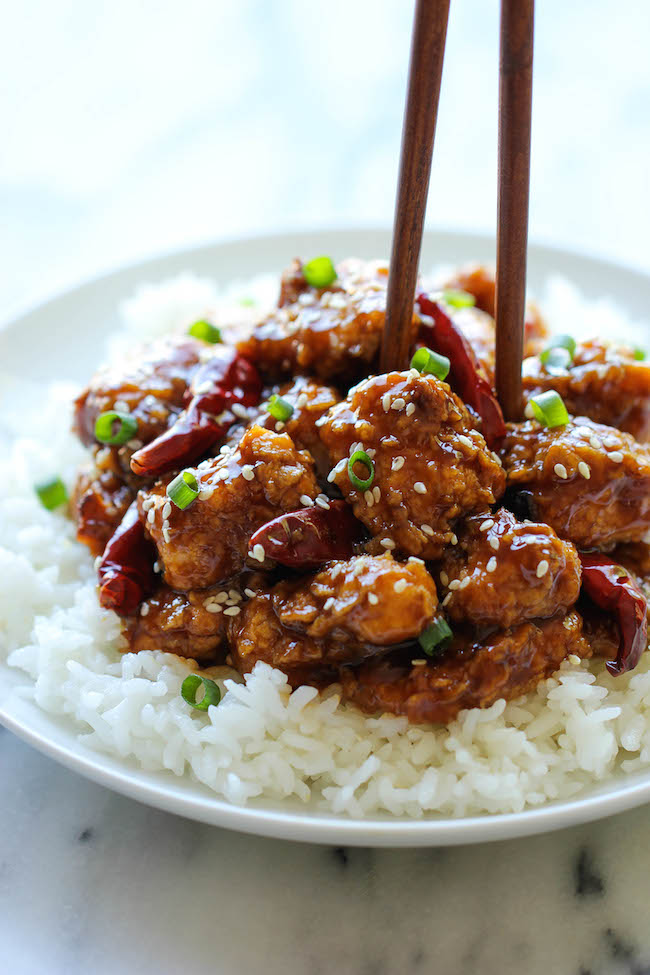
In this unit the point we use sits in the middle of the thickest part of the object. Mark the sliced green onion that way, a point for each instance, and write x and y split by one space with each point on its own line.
566 342
436 637
115 428
639 354
458 299
319 272
361 457
205 331
191 685
280 408
247 302
52 494
426 360
556 360
549 409
183 490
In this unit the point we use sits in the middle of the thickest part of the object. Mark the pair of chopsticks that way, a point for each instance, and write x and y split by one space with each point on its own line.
515 103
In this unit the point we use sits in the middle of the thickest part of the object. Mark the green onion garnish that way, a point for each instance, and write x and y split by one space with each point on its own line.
205 331
247 302
458 299
556 360
639 354
52 494
280 408
549 409
361 457
319 272
426 360
183 490
115 428
191 685
436 637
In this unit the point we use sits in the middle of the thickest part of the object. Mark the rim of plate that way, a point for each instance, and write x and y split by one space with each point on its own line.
182 795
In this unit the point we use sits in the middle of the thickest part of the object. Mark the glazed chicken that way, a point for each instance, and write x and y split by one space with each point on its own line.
279 501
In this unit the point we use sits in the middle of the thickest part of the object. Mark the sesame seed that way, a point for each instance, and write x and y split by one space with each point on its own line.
358 569
249 592
373 599
147 504
332 475
595 442
166 510
584 469
306 501
397 463
387 543
221 597
493 542
418 663
398 404
166 535
156 567
574 659
528 412
447 598
151 516
410 409
376 493
385 402
487 524
611 441
302 400
414 558
420 487
542 569
329 602
234 595
258 552
561 471
369 498
144 609
279 426
427 529
232 611
464 583
616 456
323 501
454 539
206 494
454 584
248 472
465 440
444 578
492 564
240 411
371 452
400 585
211 607
306 298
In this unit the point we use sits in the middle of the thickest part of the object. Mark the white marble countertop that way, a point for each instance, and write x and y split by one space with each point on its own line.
129 129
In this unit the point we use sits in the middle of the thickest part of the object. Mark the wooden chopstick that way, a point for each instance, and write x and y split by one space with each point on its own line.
425 73
515 108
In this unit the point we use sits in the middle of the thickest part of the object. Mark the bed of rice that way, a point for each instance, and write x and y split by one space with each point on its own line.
577 729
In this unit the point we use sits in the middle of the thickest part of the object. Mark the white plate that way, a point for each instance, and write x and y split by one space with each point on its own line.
73 322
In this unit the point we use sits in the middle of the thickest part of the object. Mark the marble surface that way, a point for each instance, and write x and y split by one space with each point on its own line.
91 882
134 128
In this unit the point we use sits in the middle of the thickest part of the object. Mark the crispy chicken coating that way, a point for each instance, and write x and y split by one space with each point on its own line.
99 501
605 382
479 280
240 491
504 571
431 466
590 482
333 334
345 612
150 385
310 400
506 664
185 623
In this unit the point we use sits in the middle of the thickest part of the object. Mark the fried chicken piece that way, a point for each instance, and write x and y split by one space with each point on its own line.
506 664
241 490
332 333
99 502
184 623
504 571
310 401
590 482
479 281
431 466
347 611
605 382
150 386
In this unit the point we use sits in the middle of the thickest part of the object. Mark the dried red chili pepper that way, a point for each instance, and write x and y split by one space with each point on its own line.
464 374
307 538
125 572
609 586
227 378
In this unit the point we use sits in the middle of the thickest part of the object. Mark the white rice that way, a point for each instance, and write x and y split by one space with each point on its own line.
575 730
